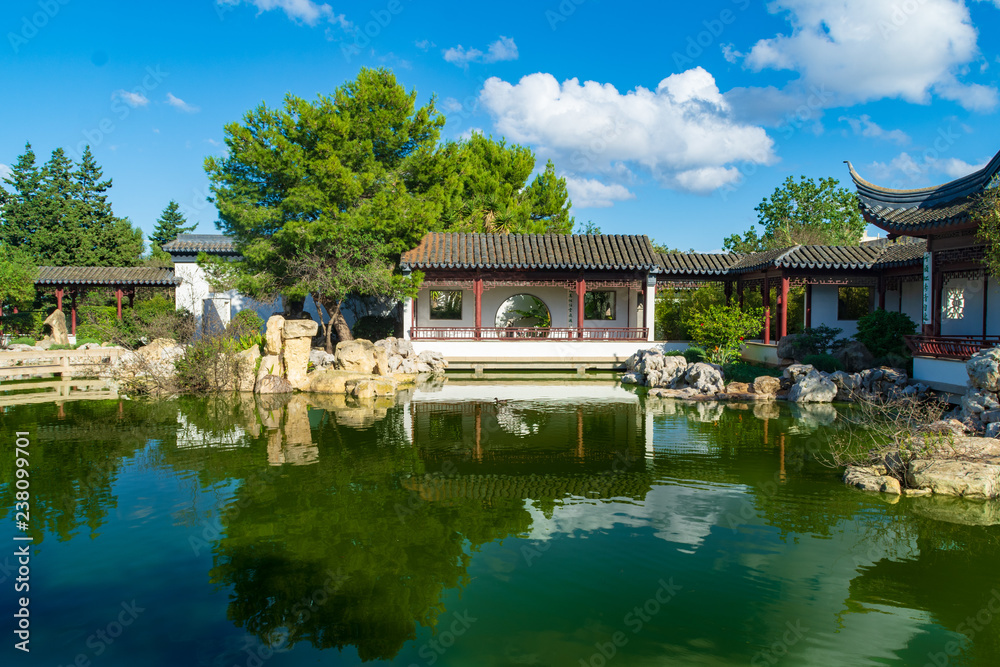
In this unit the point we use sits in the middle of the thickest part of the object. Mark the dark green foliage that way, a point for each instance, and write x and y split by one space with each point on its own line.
149 319
169 226
670 315
882 332
24 323
23 340
209 360
60 214
673 353
742 371
80 342
817 340
17 277
374 327
823 362
803 212
245 323
695 354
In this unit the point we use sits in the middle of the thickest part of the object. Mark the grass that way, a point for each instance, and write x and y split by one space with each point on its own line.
743 371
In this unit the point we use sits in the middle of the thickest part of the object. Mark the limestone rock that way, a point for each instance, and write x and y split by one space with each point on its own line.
812 388
847 384
272 384
357 356
430 361
871 478
381 362
792 347
766 385
984 369
272 335
246 369
633 378
671 373
737 388
298 329
704 378
854 357
56 321
797 371
332 381
321 358
370 388
295 359
270 364
968 479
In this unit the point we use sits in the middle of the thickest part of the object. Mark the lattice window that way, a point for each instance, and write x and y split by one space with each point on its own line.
954 305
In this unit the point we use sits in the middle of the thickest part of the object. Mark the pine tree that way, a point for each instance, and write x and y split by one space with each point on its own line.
109 240
18 216
168 227
57 236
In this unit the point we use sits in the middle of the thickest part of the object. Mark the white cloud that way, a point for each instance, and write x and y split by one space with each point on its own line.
213 142
450 104
500 50
682 133
178 103
4 171
907 170
591 193
863 50
864 126
303 11
424 44
132 99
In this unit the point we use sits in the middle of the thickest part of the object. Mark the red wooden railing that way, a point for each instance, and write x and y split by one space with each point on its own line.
951 347
528 333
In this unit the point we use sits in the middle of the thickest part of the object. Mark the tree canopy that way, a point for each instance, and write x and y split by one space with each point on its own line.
60 215
803 212
363 170
169 226
17 277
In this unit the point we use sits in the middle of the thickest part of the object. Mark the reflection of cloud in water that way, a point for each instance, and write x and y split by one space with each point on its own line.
678 514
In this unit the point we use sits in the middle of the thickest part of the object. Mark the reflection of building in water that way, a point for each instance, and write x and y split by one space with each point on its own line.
190 436
529 449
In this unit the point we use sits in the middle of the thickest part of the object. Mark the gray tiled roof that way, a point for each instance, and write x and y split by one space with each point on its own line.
698 263
439 250
923 209
192 244
105 275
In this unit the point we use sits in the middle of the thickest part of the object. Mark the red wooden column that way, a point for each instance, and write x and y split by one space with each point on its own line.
581 289
59 295
477 289
72 317
765 295
118 298
809 305
783 308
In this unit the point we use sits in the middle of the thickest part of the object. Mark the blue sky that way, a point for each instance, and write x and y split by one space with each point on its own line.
671 119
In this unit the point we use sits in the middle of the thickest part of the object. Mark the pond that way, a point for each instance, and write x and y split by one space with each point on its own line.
519 524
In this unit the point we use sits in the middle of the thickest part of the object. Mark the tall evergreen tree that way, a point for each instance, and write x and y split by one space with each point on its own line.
60 214
169 226
18 214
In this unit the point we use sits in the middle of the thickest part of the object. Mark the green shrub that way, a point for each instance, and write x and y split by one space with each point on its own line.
669 319
882 332
694 354
742 371
818 340
673 353
60 346
721 330
85 341
374 327
25 323
823 362
23 340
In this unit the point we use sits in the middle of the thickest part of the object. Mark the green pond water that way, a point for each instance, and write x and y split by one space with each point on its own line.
575 524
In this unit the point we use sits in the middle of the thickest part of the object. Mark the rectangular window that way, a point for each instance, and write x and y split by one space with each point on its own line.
954 306
853 302
446 305
599 306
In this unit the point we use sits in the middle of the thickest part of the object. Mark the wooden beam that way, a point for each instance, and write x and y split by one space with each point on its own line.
581 289
477 289
59 297
783 308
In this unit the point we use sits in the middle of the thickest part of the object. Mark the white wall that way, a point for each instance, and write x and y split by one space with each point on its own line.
532 349
971 322
993 313
937 372
824 310
560 302
760 353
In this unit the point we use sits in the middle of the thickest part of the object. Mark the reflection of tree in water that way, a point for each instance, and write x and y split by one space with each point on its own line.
76 459
390 553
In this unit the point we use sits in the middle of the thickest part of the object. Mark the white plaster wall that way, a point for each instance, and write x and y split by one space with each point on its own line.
561 304
194 289
760 353
824 310
993 306
971 322
913 300
940 371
